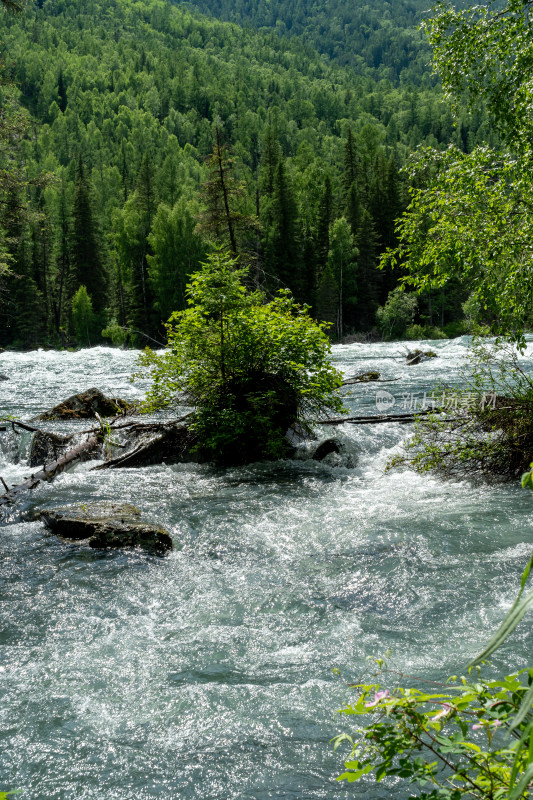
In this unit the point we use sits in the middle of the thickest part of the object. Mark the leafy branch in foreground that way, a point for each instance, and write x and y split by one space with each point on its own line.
472 738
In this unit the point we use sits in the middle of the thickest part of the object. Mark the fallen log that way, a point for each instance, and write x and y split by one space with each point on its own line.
367 377
376 419
174 444
49 472
17 423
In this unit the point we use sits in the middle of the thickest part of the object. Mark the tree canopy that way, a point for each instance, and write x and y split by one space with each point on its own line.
470 215
145 96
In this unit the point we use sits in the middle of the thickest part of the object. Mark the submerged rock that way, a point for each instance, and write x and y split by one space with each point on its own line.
103 525
3 377
337 451
325 448
86 405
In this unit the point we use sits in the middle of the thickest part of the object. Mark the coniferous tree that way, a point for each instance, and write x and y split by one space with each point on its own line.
88 268
284 260
325 212
352 209
60 297
23 312
62 92
222 194
351 171
367 273
270 158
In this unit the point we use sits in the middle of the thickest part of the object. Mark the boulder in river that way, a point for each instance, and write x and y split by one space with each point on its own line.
86 405
107 525
325 448
3 377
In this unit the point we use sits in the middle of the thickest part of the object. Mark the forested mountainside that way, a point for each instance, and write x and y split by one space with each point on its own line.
380 40
146 117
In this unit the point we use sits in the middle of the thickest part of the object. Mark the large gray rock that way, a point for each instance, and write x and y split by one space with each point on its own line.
3 377
105 525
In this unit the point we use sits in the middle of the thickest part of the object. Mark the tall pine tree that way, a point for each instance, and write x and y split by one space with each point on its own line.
87 262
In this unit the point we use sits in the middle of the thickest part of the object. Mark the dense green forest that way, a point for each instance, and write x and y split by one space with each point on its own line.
153 132
380 40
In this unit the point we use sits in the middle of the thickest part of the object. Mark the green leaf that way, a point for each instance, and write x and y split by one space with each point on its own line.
522 785
511 620
526 705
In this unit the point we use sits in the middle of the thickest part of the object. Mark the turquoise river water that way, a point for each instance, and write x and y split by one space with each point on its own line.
209 674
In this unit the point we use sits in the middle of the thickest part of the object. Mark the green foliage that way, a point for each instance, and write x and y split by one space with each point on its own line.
116 333
397 313
424 332
177 250
250 368
342 265
469 216
379 41
472 738
83 317
139 91
431 739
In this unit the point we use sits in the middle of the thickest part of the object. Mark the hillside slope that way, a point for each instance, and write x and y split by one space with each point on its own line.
126 99
380 40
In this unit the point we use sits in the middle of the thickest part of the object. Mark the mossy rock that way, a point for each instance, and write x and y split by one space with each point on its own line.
107 525
416 356
86 405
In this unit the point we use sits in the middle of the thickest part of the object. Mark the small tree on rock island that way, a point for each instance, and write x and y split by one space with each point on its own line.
250 368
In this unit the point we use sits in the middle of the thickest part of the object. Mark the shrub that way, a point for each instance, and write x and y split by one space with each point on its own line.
250 368
424 332
116 333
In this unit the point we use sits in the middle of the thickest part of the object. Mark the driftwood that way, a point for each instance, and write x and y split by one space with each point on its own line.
367 377
51 470
375 420
173 444
352 381
15 423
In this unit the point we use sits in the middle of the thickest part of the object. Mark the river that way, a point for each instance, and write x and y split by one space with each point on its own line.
209 674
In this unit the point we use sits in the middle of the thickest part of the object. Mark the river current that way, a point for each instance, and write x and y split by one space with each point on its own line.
210 674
